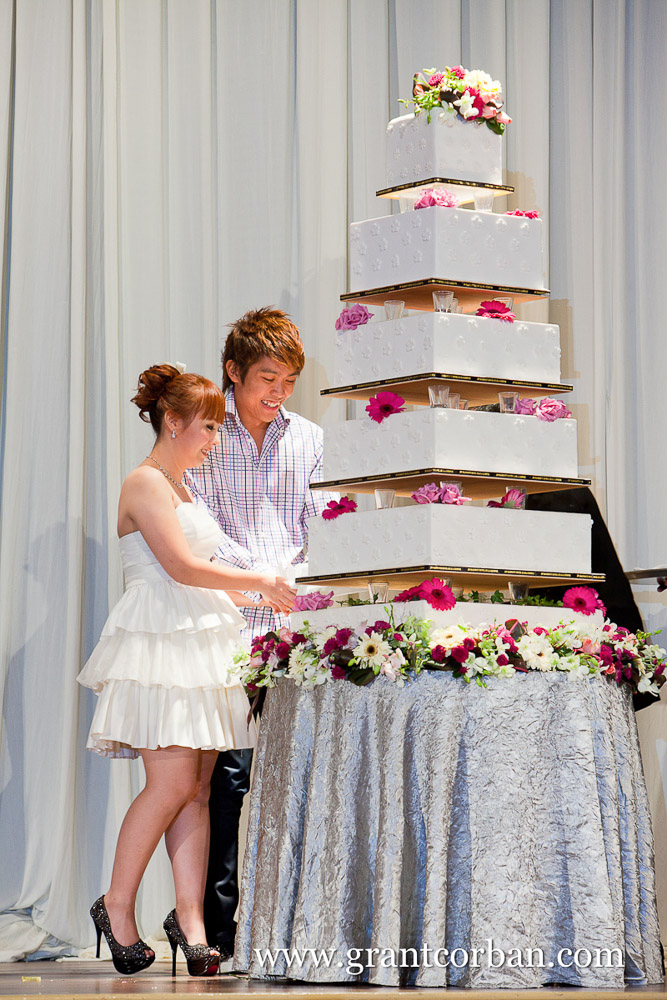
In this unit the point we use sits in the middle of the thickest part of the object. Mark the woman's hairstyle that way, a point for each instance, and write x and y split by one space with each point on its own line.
262 333
163 387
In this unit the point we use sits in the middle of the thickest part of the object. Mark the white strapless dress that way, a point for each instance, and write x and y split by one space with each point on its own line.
162 667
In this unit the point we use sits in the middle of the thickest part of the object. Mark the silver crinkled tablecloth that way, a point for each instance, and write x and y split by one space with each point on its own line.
442 815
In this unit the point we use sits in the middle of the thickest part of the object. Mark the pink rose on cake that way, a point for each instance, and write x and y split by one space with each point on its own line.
315 601
551 409
429 493
525 406
437 196
352 317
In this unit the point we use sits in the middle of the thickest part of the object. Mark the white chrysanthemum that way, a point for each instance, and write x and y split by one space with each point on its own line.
537 651
372 649
449 636
322 637
489 89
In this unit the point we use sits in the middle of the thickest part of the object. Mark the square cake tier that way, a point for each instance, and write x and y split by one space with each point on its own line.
417 149
450 343
449 535
461 614
465 440
450 244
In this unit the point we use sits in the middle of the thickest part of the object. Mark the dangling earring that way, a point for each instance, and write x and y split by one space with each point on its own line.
173 434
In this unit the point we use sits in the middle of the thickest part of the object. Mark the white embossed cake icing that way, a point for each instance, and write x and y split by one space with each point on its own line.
465 440
447 342
450 244
450 535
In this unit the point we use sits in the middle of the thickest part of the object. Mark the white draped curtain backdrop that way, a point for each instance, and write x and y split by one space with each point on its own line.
166 165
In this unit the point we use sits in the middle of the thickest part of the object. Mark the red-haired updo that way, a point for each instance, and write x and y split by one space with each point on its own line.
163 387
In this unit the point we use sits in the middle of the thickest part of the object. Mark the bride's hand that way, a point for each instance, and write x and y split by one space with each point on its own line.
277 592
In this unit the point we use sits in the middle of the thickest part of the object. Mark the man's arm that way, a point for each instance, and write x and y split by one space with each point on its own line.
316 501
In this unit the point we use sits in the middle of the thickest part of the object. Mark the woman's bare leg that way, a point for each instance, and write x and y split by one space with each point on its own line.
187 840
172 781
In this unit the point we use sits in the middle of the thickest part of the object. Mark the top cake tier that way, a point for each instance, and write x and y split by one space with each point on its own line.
418 150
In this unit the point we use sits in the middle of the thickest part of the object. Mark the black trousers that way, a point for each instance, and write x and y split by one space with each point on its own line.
229 784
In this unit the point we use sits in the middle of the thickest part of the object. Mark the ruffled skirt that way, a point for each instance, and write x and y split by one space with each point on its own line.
163 673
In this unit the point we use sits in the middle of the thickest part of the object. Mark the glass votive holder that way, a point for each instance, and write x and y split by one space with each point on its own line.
483 201
453 401
454 305
518 591
463 404
518 497
507 401
405 203
384 499
378 592
394 308
506 300
457 592
456 485
442 301
438 395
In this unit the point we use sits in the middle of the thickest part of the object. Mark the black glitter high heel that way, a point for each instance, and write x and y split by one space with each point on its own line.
127 959
202 960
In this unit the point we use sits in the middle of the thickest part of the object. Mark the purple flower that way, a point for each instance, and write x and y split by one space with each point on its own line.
429 493
352 317
453 495
313 602
525 406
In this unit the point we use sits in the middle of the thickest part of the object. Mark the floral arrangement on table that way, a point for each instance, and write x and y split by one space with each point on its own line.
401 651
467 95
545 409
494 309
337 507
437 196
383 405
448 493
352 317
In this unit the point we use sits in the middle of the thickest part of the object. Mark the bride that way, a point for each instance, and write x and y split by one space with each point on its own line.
162 669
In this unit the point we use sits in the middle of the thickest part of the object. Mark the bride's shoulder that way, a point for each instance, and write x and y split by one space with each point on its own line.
146 483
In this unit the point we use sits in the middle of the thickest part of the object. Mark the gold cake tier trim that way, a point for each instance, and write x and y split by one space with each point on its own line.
478 485
415 188
477 389
468 577
419 294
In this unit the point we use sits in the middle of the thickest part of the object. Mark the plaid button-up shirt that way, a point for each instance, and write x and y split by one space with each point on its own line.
262 501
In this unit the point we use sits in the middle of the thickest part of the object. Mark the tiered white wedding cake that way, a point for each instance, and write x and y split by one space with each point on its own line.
436 165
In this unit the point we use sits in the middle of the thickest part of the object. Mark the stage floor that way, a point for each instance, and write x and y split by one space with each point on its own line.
97 980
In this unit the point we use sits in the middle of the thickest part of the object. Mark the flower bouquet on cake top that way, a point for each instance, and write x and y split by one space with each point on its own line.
469 95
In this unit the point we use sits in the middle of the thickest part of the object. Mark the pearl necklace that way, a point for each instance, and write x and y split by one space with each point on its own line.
164 472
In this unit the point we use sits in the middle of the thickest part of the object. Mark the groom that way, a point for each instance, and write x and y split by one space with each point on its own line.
257 486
